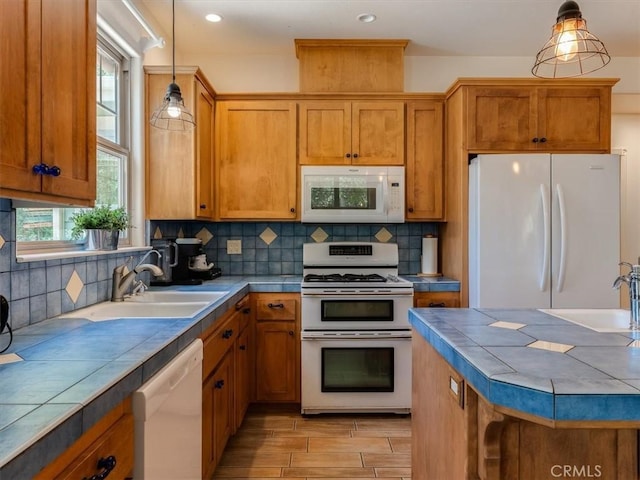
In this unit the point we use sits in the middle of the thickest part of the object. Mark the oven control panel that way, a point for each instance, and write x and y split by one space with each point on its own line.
351 250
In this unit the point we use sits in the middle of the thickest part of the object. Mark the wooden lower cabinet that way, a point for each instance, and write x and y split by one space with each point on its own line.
457 434
112 436
226 386
277 370
218 421
436 299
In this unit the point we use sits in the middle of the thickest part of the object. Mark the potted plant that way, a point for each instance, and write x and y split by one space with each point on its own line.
102 225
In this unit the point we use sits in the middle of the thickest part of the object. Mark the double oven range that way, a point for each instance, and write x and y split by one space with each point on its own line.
356 338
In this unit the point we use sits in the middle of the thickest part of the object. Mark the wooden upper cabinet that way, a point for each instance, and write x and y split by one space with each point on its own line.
358 133
425 160
48 100
179 165
256 160
566 118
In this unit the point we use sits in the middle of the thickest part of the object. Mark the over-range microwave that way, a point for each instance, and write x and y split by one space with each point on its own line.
352 194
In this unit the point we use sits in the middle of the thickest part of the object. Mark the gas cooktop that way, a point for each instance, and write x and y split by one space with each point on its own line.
345 277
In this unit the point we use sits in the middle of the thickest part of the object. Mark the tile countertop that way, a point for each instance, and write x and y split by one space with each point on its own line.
536 363
73 371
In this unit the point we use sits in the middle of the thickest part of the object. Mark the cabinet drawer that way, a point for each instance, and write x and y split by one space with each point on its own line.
117 441
275 309
436 299
216 344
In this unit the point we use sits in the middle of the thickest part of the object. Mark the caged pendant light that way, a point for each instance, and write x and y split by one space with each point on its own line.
172 114
572 50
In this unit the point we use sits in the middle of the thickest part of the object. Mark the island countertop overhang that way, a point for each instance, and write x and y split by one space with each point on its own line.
536 364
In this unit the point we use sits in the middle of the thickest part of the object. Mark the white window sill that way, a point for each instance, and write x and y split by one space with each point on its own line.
37 257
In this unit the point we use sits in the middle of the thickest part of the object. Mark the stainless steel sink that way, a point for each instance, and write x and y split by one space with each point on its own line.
598 319
113 310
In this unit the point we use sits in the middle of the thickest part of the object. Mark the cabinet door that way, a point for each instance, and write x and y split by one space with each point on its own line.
501 118
217 418
19 95
276 361
204 152
575 118
68 97
377 130
325 133
425 161
243 374
256 162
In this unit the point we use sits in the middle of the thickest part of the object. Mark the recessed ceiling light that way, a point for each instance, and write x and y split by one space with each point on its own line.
366 17
213 17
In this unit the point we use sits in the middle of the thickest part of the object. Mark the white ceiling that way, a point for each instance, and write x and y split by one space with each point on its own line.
434 27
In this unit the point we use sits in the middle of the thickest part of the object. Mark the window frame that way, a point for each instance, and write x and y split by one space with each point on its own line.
122 149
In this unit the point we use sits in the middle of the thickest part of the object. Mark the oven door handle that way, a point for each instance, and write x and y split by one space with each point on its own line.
355 335
365 296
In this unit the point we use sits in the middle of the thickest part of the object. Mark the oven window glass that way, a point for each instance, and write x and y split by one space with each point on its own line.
357 310
357 369
343 198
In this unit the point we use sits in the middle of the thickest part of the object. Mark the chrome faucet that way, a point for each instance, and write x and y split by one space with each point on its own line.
121 281
632 279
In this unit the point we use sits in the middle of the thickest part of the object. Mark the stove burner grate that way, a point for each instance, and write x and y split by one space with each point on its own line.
347 277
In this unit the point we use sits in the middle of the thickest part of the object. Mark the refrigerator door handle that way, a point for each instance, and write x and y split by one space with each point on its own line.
563 237
544 195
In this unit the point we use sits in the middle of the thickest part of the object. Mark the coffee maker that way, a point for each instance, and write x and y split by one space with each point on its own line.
183 262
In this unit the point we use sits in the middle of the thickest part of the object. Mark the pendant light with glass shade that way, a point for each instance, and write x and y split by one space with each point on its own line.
572 50
173 114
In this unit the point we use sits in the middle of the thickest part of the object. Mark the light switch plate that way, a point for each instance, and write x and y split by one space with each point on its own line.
234 247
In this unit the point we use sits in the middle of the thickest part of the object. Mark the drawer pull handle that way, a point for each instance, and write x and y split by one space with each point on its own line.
107 464
243 347
227 334
437 305
291 332
219 384
275 305
246 310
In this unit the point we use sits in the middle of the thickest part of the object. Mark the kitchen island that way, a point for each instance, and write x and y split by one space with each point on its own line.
520 394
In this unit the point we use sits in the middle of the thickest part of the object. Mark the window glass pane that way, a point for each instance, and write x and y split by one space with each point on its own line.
108 77
107 124
109 184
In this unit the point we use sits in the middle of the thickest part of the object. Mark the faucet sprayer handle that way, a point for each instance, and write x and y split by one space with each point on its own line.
626 264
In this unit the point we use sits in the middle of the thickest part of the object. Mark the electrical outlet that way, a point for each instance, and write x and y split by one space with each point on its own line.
234 247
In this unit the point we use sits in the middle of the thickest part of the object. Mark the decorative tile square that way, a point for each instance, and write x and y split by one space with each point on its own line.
180 233
204 235
319 235
268 236
551 346
508 325
10 358
383 235
1 241
74 286
157 233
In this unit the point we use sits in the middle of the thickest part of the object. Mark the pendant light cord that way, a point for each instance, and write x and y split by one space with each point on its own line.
173 33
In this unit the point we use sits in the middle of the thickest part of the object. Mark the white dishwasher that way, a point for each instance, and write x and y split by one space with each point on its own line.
168 420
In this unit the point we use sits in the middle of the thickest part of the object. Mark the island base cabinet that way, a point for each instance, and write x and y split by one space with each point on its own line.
457 434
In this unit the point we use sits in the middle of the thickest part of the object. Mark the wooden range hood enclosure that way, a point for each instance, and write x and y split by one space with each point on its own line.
351 65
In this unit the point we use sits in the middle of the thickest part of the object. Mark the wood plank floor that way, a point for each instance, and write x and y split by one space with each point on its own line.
288 445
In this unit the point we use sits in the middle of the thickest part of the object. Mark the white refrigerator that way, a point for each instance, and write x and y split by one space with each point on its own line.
544 231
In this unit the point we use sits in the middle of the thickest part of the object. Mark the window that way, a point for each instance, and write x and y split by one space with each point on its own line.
51 227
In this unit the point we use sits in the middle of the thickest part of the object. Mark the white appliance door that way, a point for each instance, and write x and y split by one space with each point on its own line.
586 230
509 224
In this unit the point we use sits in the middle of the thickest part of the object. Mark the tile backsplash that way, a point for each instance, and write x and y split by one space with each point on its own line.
275 248
44 289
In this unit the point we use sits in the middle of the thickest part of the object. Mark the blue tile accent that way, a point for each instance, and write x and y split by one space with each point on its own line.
19 284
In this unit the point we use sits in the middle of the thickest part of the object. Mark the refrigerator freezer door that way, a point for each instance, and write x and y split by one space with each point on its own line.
586 223
508 217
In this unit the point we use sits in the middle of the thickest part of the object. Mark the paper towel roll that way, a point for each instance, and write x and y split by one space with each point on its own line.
430 255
